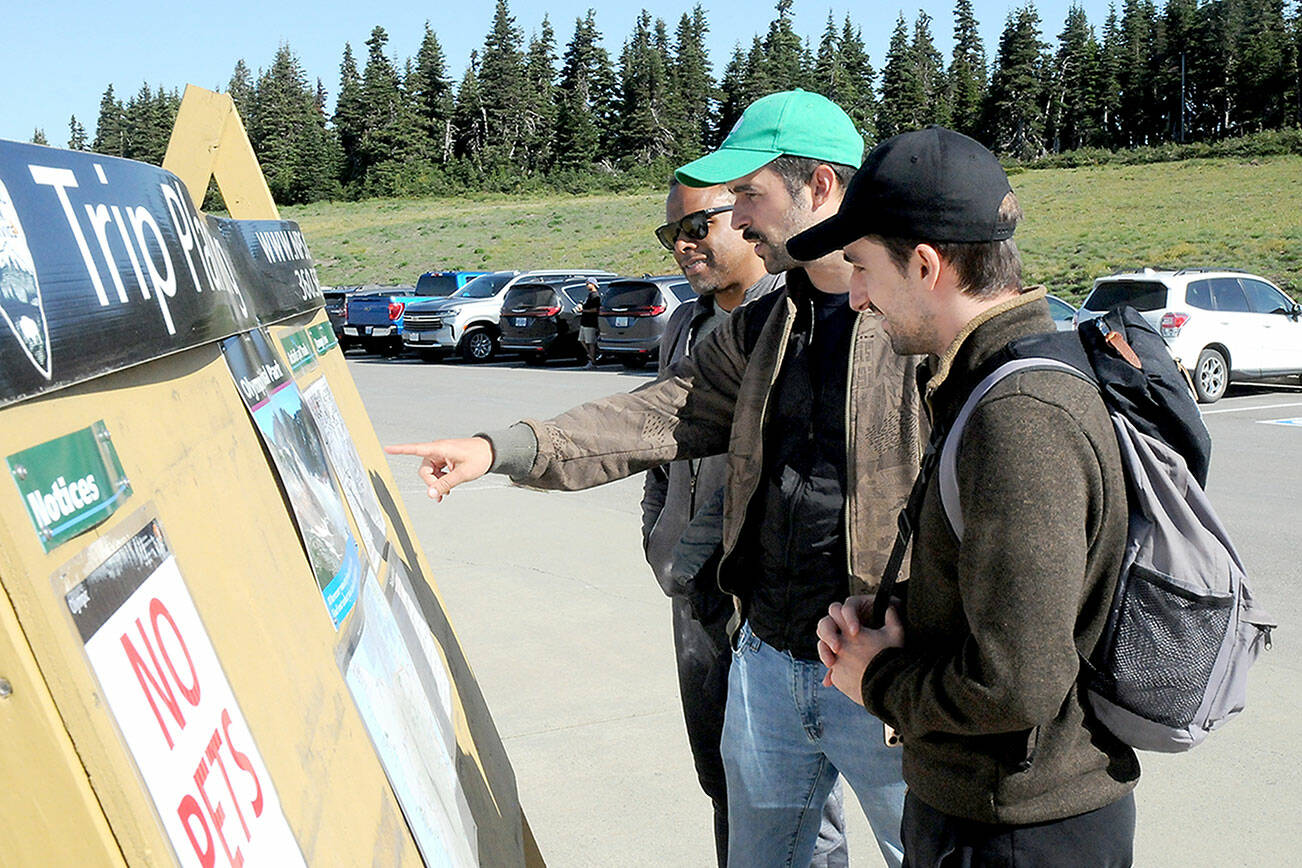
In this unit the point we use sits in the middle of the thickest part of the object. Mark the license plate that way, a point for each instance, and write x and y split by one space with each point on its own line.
380 331
349 330
417 337
521 322
622 322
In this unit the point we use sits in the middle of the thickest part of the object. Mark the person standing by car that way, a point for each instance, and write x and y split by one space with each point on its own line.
979 669
589 318
725 273
821 422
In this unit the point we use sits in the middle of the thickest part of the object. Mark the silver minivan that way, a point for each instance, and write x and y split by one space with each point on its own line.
634 313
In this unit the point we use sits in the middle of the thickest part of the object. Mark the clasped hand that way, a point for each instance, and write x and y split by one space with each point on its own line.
846 646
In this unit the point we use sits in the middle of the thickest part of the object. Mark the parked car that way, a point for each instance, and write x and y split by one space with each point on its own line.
1223 326
335 299
634 312
540 320
1064 315
467 321
376 313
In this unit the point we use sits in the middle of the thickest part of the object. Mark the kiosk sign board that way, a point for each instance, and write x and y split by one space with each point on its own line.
165 688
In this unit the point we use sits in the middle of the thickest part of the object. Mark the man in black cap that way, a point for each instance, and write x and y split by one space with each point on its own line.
978 671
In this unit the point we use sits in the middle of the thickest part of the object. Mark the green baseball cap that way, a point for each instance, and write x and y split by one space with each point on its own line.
796 123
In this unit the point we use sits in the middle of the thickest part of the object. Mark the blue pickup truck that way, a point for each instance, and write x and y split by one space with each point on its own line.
374 314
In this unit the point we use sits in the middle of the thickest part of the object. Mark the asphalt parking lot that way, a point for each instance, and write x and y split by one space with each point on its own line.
569 634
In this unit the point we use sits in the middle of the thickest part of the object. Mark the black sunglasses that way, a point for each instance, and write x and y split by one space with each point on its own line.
696 226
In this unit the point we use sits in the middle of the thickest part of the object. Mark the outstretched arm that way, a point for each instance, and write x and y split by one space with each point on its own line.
445 464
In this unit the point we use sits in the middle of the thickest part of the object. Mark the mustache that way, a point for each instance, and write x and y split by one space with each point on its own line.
751 235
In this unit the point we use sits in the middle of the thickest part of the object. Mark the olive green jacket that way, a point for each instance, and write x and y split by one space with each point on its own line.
714 401
984 692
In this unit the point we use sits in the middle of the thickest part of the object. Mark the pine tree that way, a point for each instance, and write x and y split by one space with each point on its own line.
1073 115
586 98
1136 96
147 124
240 88
76 135
350 121
38 137
782 62
1179 24
541 112
645 133
691 86
900 87
1014 108
1261 79
1107 86
854 92
288 133
734 95
502 89
934 104
390 143
431 91
468 121
110 135
967 71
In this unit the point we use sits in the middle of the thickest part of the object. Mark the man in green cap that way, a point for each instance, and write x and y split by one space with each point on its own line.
820 421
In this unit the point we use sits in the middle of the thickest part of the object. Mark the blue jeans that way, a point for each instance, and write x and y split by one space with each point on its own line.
785 739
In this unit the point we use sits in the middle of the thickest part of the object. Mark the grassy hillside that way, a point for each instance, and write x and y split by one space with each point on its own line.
1080 223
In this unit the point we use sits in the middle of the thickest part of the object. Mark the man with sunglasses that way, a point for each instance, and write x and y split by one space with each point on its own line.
724 271
821 422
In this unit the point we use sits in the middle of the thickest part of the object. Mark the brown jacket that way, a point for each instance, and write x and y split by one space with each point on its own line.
714 401
984 691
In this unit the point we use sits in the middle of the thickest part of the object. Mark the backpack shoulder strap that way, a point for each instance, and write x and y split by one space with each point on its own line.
948 464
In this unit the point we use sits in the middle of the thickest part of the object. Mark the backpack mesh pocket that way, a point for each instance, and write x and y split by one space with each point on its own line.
1165 647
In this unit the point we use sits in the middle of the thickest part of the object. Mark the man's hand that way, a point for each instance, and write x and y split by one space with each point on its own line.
446 464
846 646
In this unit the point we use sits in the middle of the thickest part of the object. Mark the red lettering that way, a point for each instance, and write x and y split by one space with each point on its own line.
242 761
157 610
188 810
213 754
217 815
144 674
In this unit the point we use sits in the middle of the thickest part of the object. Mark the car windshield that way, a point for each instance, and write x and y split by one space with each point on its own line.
577 292
485 285
1139 294
436 285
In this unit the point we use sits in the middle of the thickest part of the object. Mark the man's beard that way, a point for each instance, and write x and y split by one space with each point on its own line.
777 260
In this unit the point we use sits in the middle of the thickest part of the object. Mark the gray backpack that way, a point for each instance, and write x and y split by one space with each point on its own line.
1183 629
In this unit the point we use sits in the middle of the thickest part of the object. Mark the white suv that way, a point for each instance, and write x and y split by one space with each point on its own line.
1221 325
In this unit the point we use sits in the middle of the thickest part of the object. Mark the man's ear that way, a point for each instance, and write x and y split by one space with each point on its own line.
823 186
926 261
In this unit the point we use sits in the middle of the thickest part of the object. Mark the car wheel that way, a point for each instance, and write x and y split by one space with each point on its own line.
1211 376
634 363
478 346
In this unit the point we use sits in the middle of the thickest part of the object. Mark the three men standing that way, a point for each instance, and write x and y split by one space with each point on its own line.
820 422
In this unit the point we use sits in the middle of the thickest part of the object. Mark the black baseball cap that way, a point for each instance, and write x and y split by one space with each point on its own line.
932 184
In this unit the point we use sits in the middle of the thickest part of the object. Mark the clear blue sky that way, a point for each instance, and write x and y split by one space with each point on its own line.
61 54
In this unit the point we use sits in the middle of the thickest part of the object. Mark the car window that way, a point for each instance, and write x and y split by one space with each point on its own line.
1059 309
1139 294
683 290
577 292
438 285
1264 298
484 286
625 296
1199 294
533 295
1228 296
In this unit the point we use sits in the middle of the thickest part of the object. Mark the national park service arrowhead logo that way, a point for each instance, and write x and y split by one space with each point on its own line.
20 294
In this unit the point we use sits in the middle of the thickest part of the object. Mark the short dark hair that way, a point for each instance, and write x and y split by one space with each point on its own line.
983 268
796 172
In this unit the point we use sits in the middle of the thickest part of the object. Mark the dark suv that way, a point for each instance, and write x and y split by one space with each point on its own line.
540 320
634 312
